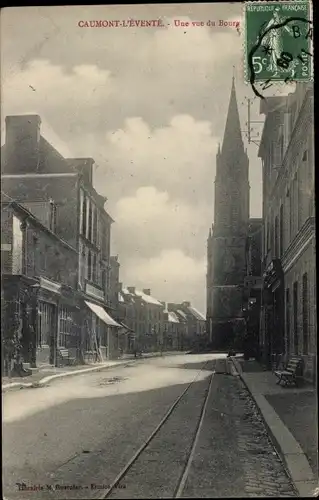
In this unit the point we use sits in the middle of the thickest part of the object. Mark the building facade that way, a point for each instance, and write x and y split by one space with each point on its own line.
227 240
144 315
253 288
289 321
60 193
39 271
192 325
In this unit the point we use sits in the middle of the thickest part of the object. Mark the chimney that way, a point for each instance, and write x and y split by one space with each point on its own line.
131 289
84 166
147 291
120 286
22 144
186 304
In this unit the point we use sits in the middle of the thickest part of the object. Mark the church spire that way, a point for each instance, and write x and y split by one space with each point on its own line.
232 137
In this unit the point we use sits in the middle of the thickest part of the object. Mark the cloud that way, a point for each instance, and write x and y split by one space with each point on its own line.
45 88
178 158
171 275
151 220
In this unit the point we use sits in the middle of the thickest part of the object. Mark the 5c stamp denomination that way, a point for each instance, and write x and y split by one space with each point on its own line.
278 41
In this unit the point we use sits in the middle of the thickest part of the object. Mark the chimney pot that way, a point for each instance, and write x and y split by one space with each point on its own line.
22 144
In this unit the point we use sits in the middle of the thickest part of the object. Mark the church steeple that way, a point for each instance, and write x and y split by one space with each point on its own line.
231 181
232 140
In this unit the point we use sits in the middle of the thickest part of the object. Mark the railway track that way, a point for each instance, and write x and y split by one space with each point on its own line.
114 490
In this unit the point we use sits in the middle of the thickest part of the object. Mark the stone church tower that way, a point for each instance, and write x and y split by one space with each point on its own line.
227 240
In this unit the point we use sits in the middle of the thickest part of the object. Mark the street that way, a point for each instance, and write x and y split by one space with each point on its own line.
73 438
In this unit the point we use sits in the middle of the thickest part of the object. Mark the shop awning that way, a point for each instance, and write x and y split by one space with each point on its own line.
102 314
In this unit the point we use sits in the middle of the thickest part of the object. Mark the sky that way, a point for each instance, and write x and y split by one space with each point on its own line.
149 105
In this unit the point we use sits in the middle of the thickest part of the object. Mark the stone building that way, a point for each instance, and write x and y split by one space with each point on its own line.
39 275
289 321
144 315
192 329
227 240
59 192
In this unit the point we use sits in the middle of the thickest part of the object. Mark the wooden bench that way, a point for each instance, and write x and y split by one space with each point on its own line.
65 357
291 373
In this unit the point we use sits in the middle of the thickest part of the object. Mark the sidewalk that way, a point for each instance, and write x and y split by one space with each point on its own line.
44 375
290 416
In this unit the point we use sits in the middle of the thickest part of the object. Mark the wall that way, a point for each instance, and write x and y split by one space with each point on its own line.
47 256
305 264
62 190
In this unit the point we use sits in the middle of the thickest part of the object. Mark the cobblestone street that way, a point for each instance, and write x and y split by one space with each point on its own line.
264 471
233 456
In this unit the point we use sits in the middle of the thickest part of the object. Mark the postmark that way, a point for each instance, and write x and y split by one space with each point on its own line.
278 42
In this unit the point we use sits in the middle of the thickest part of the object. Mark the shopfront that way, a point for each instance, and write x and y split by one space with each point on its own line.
101 334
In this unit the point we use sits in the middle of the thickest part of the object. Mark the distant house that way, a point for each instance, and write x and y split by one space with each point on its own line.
193 323
144 315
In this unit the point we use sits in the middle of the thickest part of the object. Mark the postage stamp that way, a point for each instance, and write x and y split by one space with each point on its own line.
278 41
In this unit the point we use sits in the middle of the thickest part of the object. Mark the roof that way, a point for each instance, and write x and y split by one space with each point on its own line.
232 140
182 314
172 317
7 203
146 298
199 316
126 295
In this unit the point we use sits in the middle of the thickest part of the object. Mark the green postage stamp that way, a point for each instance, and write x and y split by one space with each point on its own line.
278 41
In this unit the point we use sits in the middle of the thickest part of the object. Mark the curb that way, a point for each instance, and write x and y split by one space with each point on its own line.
45 380
286 445
49 378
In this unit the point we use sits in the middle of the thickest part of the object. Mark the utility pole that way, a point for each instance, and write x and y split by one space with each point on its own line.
255 139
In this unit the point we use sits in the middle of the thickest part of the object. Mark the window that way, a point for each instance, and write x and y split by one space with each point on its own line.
98 229
281 229
45 323
17 246
66 327
104 279
94 274
291 213
305 313
288 319
89 274
84 216
305 155
295 317
95 230
89 235
276 237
